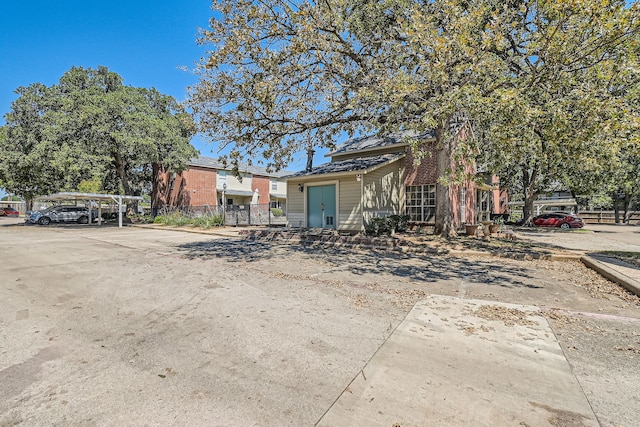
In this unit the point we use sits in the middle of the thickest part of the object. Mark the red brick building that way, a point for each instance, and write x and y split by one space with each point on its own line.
207 182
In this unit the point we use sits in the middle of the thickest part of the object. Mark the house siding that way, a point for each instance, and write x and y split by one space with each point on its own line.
202 185
377 152
383 192
295 206
350 216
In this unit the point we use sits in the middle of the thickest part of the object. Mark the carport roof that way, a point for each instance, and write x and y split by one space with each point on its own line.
69 195
95 197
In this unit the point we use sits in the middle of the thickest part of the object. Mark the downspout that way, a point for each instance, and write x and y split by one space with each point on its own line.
362 200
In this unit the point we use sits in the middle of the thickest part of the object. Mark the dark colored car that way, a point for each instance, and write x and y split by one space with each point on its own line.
558 219
9 212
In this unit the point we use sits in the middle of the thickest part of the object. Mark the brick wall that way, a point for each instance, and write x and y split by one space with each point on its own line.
425 172
193 187
201 184
262 184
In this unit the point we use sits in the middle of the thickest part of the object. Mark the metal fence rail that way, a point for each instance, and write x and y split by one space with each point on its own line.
233 214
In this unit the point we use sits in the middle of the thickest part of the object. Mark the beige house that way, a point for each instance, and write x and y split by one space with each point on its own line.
375 176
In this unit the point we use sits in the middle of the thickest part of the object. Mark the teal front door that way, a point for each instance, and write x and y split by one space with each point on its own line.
321 206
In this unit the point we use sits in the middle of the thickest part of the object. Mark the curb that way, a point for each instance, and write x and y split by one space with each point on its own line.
607 272
187 230
382 245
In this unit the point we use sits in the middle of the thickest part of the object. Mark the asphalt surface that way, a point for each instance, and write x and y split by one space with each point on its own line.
594 237
157 327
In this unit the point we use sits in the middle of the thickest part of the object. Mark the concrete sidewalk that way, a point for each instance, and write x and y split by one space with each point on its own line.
618 271
461 362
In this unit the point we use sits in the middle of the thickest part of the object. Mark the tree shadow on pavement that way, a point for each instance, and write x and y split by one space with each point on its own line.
416 267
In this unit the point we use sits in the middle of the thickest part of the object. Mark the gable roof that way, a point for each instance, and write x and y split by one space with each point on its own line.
213 163
360 164
375 142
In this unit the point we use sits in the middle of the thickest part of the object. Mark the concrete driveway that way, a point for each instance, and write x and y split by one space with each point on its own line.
594 237
107 326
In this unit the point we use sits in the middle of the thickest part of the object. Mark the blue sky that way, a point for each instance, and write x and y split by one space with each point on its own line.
147 42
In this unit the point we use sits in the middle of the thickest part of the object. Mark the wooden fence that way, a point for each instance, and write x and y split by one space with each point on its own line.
607 217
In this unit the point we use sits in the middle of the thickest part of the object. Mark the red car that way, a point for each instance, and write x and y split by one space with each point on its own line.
558 219
9 212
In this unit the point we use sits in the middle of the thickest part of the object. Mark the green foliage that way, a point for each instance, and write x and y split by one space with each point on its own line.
90 186
277 212
542 82
89 129
377 226
561 108
208 221
178 219
387 225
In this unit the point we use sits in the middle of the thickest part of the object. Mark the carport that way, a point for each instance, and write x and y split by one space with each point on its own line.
93 197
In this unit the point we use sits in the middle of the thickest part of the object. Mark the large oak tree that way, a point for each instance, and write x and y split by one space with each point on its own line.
282 73
91 127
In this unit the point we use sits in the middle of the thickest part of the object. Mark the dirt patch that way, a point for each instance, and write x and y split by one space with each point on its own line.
599 287
506 315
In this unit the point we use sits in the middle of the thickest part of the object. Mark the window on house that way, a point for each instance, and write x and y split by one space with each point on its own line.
421 202
274 184
229 202
276 204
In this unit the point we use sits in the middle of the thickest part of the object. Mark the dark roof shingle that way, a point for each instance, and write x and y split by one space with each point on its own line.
349 165
213 163
370 142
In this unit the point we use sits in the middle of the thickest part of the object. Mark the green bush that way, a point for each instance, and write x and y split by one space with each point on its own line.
277 211
207 221
386 225
398 223
377 226
172 219
178 219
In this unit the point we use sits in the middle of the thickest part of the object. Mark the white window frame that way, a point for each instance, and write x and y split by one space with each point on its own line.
420 202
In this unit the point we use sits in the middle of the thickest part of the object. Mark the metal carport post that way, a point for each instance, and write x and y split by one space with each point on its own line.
118 198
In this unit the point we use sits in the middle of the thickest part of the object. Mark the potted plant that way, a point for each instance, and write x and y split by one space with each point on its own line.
471 229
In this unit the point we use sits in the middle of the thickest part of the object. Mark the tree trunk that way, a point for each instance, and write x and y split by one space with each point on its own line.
126 185
627 205
616 208
530 195
444 217
575 197
527 210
